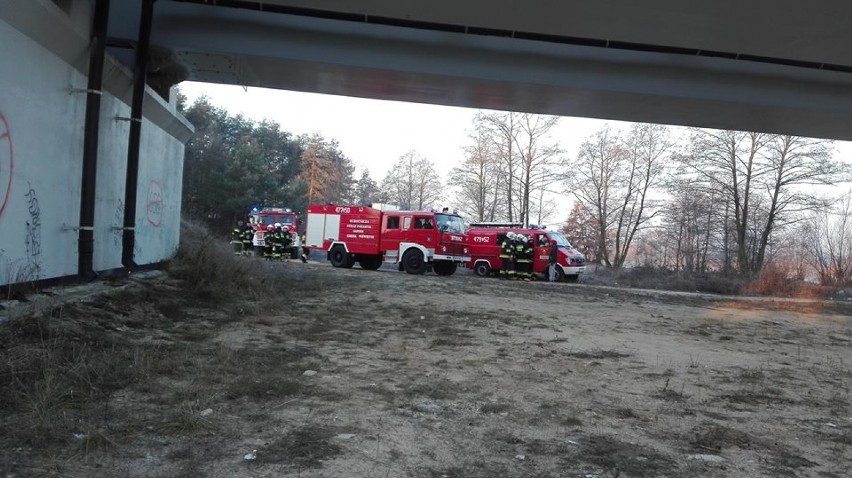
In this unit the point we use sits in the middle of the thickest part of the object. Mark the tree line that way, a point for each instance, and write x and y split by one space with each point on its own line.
725 201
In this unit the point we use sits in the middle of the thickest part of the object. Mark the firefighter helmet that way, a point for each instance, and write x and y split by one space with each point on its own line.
510 235
269 227
277 225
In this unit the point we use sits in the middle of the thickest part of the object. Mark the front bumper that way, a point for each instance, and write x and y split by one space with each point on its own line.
573 270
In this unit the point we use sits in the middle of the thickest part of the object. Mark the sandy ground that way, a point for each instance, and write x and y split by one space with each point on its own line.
383 374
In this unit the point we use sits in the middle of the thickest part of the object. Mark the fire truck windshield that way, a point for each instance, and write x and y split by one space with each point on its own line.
272 219
450 223
561 241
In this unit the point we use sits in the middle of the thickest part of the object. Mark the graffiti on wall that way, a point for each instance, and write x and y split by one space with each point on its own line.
7 164
33 238
154 204
118 223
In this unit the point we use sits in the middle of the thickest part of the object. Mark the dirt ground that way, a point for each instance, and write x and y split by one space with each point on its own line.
383 374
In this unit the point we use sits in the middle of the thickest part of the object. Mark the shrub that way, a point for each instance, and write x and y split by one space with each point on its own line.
208 263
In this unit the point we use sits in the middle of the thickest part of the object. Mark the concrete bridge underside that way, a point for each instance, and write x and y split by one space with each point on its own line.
781 66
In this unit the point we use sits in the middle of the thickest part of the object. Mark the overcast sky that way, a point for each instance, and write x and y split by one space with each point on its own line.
374 133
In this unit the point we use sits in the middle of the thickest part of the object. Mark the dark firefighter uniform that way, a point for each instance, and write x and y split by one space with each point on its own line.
237 238
247 237
284 241
529 254
277 239
269 243
506 255
523 258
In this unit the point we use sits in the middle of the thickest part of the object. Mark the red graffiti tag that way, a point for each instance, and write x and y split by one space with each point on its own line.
7 164
154 205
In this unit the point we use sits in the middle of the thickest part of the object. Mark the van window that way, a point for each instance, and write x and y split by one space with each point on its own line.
393 222
423 223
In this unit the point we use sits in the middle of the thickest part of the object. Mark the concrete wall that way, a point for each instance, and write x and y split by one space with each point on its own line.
43 60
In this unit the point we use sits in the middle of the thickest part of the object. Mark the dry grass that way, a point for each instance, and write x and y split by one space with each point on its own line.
773 281
64 368
184 374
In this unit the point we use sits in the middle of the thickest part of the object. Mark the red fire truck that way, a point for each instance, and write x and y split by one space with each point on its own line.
268 216
415 240
485 239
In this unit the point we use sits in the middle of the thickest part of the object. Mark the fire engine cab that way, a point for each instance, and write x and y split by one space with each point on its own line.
268 216
415 240
485 240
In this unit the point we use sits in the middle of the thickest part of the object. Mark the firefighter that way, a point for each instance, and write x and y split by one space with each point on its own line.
247 236
285 242
521 258
529 254
506 254
276 242
269 243
237 239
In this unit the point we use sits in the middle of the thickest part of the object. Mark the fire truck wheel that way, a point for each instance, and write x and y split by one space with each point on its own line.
482 269
339 257
412 262
444 268
370 263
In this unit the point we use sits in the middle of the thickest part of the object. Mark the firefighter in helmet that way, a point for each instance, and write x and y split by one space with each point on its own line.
507 254
529 255
284 241
247 236
521 257
269 243
276 242
237 238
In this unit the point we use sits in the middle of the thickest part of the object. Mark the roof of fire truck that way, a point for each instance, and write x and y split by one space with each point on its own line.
506 225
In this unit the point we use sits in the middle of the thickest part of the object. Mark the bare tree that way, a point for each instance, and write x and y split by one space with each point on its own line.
794 164
726 162
646 149
826 241
541 164
582 230
597 170
765 179
504 129
691 222
412 183
478 180
543 206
